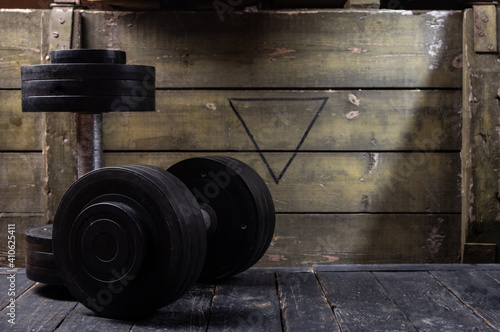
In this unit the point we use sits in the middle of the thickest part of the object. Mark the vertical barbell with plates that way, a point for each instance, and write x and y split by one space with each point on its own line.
129 240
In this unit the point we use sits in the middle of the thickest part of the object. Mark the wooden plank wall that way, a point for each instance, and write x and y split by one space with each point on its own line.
351 117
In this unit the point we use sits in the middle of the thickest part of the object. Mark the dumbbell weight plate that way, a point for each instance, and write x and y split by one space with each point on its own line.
39 238
44 275
96 213
244 218
88 56
87 104
80 87
41 259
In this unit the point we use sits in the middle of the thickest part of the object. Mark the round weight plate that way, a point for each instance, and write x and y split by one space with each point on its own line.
44 275
88 56
267 212
244 217
88 104
86 88
39 238
145 74
108 211
40 259
196 235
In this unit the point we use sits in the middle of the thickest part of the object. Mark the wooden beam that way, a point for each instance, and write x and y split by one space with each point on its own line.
362 4
481 143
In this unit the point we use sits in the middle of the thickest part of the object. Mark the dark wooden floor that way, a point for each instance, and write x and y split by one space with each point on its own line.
325 298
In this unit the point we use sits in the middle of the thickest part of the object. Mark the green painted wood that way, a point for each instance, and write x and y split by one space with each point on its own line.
479 290
344 182
305 240
20 43
427 304
303 304
18 131
21 182
354 49
367 120
361 304
481 143
247 302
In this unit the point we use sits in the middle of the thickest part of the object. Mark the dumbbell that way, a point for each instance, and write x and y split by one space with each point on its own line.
88 83
129 240
40 262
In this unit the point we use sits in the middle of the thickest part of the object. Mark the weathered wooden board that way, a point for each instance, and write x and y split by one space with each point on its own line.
80 318
20 43
344 182
356 49
23 284
21 222
190 313
21 182
18 131
303 304
247 302
360 303
367 120
304 240
43 308
479 290
428 305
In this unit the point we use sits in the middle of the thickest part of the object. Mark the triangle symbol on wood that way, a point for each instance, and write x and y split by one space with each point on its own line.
272 124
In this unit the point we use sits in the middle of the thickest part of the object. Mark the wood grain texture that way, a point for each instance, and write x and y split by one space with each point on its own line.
21 222
305 240
247 302
361 304
354 49
43 308
21 43
481 143
344 182
21 182
303 304
23 284
189 313
428 305
18 131
479 290
81 318
352 120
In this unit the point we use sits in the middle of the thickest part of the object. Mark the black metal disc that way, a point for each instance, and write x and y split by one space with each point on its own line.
88 56
88 104
194 235
244 210
44 275
94 71
118 243
77 87
40 259
39 238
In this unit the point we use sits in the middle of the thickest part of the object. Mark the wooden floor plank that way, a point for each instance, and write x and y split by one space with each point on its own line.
479 290
190 313
303 303
428 305
403 267
82 318
42 308
247 302
361 304
22 285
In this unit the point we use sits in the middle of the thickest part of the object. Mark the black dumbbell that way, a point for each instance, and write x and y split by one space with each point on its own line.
88 83
131 239
40 262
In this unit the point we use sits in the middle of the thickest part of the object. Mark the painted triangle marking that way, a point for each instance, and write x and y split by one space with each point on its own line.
238 114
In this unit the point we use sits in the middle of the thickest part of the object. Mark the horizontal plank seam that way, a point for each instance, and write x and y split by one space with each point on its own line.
288 151
426 213
302 88
403 267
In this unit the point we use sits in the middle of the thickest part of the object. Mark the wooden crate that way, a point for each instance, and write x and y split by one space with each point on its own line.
351 117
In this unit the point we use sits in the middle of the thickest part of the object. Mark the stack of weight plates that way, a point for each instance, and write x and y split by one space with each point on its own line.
40 263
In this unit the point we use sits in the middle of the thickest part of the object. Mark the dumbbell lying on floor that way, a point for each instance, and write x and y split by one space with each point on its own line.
128 240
